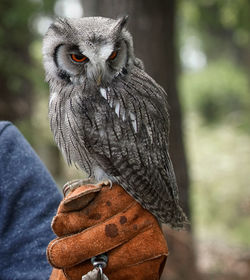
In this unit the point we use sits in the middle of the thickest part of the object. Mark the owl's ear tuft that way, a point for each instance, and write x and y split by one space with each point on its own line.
121 23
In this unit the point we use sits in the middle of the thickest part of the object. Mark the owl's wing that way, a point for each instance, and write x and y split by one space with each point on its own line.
130 143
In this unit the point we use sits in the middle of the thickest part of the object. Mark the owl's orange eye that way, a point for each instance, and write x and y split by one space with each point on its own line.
113 55
79 58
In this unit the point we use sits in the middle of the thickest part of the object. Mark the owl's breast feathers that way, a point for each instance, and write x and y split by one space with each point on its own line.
123 129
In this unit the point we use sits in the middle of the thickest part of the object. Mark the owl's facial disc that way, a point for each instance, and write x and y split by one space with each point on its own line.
89 50
98 65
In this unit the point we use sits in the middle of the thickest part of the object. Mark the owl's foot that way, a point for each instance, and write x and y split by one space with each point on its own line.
106 182
74 184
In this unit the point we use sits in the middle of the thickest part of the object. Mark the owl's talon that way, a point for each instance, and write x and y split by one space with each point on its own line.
110 184
103 183
74 184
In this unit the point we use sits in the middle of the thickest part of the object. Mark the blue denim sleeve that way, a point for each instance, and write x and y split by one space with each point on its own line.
28 201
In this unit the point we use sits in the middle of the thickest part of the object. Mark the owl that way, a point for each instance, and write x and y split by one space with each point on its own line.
107 115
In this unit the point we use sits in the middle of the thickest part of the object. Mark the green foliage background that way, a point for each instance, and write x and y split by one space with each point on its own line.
216 102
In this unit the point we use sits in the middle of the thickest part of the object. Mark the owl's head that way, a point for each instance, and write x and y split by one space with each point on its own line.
91 49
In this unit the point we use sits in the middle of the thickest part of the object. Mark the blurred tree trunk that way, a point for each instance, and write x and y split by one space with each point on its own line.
153 28
15 86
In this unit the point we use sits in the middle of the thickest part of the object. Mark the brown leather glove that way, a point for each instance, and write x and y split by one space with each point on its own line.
92 220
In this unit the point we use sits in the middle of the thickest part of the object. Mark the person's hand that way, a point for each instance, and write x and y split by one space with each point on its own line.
92 220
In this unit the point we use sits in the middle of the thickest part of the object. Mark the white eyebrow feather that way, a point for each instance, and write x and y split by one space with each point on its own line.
106 50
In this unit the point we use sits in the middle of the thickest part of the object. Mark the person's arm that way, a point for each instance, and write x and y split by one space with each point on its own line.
28 201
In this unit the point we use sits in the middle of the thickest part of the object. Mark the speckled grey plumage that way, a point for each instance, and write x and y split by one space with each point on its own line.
108 116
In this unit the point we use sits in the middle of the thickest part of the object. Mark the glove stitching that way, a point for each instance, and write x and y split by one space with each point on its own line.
149 259
50 256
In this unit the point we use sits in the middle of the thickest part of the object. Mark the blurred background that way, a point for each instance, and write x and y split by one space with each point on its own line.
199 51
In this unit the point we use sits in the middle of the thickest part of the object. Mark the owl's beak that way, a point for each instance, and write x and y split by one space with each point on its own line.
98 74
99 80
